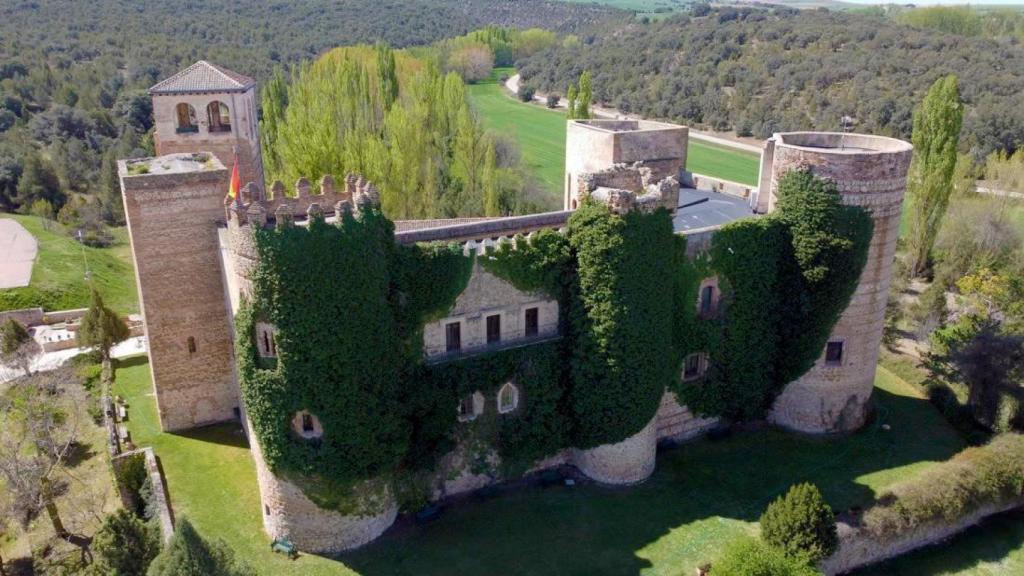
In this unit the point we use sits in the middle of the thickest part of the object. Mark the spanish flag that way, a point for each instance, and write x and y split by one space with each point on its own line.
236 182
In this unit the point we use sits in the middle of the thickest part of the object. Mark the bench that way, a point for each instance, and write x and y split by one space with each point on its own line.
122 433
284 546
122 413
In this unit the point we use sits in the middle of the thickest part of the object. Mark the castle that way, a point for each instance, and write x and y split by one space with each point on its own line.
196 256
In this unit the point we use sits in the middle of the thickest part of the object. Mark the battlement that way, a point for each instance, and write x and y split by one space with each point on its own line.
625 187
276 207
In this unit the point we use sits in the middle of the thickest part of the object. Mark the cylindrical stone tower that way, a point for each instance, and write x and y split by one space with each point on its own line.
871 172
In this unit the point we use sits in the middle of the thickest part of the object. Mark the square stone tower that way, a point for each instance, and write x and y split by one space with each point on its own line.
597 145
173 204
206 108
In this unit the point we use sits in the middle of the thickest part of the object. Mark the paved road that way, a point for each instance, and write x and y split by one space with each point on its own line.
601 112
17 254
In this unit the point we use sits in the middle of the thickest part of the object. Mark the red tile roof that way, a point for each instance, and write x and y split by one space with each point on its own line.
203 77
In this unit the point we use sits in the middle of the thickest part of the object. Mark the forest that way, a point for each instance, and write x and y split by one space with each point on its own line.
73 75
760 71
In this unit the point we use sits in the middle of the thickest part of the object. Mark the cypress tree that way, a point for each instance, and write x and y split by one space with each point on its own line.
937 124
586 96
101 327
571 96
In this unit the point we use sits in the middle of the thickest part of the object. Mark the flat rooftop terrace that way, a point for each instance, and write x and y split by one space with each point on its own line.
700 209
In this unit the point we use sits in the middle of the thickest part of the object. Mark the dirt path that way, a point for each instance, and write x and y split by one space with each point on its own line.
18 251
722 139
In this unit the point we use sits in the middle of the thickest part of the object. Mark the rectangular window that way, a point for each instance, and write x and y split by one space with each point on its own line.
494 328
693 366
707 300
307 422
532 326
834 354
453 337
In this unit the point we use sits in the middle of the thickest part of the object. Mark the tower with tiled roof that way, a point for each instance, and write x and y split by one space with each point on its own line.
206 108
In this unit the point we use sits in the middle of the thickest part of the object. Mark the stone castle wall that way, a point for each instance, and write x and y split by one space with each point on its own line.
870 172
172 215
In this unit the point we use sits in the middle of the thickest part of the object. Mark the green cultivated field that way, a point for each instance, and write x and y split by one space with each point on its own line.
702 494
541 136
58 276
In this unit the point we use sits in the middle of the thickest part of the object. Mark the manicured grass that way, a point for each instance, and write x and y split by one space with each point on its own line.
58 276
701 495
540 133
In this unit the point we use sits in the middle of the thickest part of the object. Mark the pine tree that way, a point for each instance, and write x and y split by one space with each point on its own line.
188 554
801 524
586 95
571 96
936 134
39 181
101 327
123 546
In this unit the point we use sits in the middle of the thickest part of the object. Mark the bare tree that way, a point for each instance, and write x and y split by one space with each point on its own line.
17 346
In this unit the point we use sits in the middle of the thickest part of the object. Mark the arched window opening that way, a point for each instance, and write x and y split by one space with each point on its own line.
470 407
694 366
707 301
508 398
219 116
307 426
186 118
191 345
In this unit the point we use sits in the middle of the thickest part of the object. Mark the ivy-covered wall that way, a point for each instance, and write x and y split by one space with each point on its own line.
349 305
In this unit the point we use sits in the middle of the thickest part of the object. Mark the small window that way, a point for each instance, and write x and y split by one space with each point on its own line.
707 300
470 407
508 398
834 354
694 366
307 425
494 328
532 322
191 345
452 337
266 510
186 118
266 340
219 116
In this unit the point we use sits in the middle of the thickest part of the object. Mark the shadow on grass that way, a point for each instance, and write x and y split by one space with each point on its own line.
225 434
133 361
992 541
685 512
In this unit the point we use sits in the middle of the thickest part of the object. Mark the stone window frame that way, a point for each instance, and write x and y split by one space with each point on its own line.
266 334
702 366
502 407
215 124
299 428
487 328
842 353
193 120
461 322
524 314
474 402
712 308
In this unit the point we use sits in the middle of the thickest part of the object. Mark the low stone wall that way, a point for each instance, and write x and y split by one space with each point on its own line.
288 513
630 461
703 182
25 316
160 502
858 547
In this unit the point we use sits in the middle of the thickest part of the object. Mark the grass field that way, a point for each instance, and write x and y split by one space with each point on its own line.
541 136
701 495
58 276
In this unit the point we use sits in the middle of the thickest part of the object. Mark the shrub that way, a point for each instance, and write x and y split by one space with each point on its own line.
526 93
801 524
188 554
123 546
553 100
750 557
990 475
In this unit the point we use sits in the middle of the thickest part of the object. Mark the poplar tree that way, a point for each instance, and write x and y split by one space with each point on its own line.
489 183
571 96
937 124
586 96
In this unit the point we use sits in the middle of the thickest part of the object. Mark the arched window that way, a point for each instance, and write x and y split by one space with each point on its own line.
186 118
694 366
306 425
219 116
470 407
707 304
508 398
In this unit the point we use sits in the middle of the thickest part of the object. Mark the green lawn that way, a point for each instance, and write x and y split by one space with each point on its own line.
541 136
58 276
701 495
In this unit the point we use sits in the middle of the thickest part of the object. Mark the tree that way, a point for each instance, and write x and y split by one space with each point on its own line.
571 95
17 346
44 211
101 327
473 63
936 134
188 554
552 101
124 546
39 181
750 557
526 92
586 96
801 524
